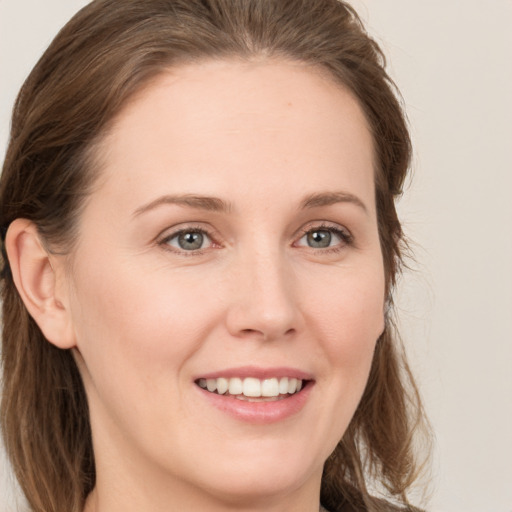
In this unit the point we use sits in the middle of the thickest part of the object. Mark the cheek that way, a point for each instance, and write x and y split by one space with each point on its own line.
136 335
348 319
345 320
350 312
134 326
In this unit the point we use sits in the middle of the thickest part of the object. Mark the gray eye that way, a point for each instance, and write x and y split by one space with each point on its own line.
319 239
188 240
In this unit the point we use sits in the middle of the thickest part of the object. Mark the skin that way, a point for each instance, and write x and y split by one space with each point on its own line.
145 317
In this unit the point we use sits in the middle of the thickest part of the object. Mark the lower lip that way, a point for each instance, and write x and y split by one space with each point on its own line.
260 412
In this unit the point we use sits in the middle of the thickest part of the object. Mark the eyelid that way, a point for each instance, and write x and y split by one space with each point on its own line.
337 229
170 233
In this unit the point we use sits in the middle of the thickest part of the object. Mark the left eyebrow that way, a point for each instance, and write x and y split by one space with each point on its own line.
213 204
329 198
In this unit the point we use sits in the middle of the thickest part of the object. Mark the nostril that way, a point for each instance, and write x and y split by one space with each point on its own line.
266 335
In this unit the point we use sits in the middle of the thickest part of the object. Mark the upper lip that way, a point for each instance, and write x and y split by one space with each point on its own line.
258 373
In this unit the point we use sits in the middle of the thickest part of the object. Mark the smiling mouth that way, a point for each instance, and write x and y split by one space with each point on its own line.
251 389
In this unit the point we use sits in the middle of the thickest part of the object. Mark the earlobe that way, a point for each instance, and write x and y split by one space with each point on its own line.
36 281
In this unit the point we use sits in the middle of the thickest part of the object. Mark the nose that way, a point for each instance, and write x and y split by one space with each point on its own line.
264 301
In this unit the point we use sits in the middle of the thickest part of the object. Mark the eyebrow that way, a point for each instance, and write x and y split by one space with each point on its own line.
215 204
330 198
211 204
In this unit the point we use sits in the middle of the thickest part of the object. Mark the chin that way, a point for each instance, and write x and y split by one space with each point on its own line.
257 484
261 471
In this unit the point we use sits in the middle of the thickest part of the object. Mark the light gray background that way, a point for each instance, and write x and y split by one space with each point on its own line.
452 61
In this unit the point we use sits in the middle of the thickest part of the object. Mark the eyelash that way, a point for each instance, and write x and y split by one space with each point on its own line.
343 234
164 242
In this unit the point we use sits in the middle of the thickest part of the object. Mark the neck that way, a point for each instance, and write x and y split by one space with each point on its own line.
96 503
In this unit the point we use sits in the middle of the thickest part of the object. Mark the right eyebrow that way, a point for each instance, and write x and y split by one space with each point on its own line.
329 198
212 204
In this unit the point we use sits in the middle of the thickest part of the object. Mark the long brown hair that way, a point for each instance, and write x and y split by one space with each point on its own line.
103 56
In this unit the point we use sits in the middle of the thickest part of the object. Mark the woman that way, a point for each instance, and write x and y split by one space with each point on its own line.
200 248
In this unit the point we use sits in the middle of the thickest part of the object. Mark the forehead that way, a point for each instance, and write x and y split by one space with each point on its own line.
207 120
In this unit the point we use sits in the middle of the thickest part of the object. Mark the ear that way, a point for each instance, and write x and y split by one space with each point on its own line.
39 278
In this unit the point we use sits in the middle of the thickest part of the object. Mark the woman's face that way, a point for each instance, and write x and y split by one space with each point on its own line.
231 243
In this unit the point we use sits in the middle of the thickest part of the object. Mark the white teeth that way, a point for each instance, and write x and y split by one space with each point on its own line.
283 386
235 386
251 387
292 385
222 386
270 387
